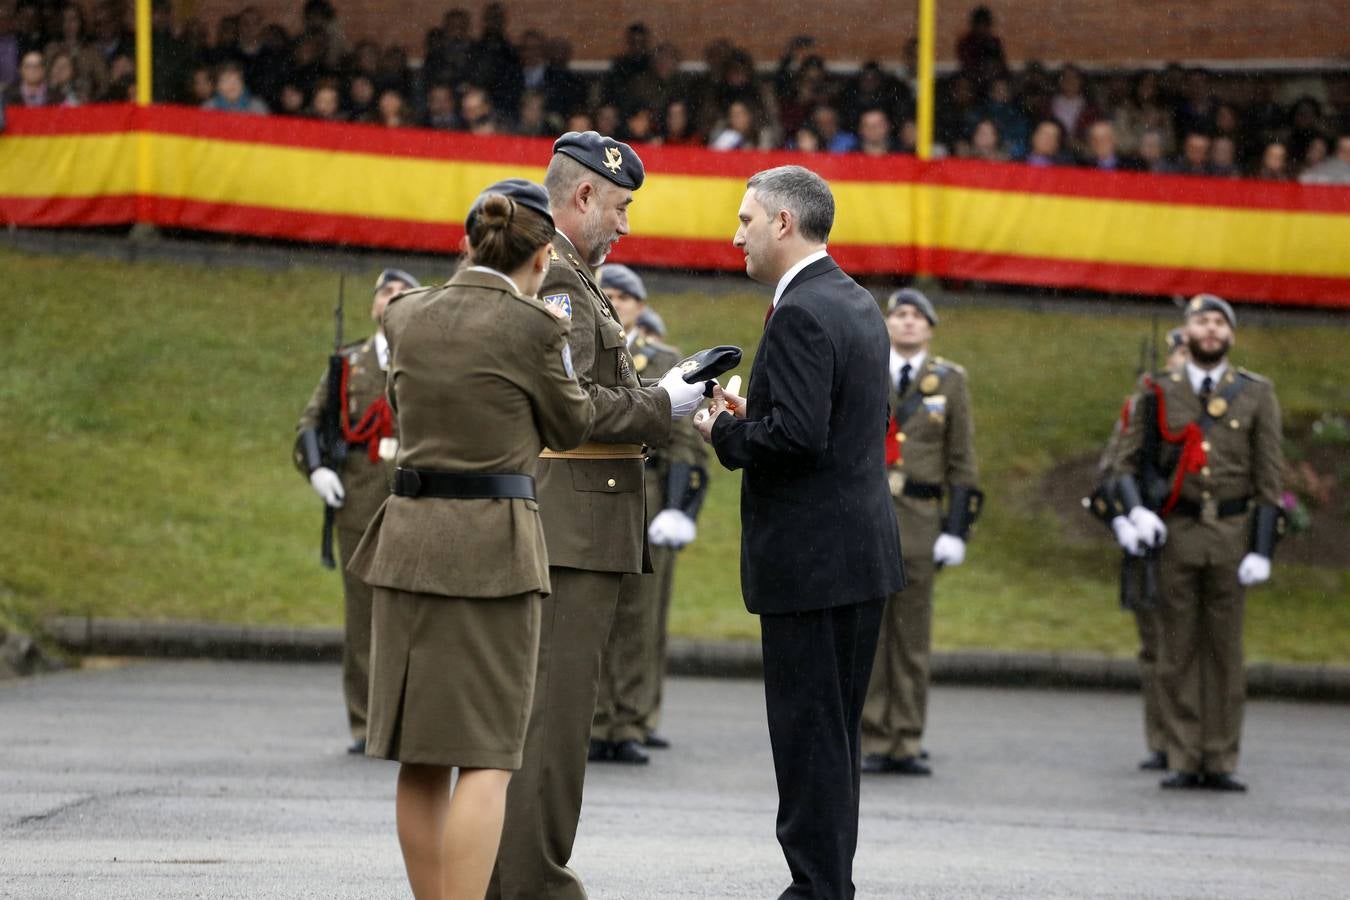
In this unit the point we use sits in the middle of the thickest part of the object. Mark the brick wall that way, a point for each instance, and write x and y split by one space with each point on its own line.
1090 31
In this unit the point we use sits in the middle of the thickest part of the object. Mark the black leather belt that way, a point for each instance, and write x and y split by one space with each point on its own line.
1224 509
921 491
462 485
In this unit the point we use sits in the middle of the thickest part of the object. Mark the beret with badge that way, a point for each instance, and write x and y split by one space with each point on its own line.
1210 303
526 193
624 279
615 160
914 298
389 275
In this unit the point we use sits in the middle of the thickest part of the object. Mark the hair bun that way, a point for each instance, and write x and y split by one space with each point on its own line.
496 211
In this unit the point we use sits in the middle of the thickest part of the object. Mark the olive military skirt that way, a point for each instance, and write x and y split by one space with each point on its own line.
451 679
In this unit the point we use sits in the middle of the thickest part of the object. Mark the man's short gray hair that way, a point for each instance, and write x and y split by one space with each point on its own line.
799 191
563 177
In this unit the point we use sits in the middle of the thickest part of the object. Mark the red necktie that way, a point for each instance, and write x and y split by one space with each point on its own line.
767 313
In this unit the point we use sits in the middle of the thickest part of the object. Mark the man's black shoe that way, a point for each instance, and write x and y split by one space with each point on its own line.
628 752
878 764
1222 781
654 741
600 751
1183 781
1155 762
923 754
358 747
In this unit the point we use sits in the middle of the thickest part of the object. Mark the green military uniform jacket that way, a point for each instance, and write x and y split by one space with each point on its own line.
1243 445
593 509
937 441
651 360
480 380
366 483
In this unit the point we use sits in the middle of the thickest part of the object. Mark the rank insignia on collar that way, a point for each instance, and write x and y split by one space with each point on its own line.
552 254
929 383
561 301
613 159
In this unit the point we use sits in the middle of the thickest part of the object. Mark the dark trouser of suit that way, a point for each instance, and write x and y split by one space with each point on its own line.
897 698
1200 668
816 669
1155 734
356 595
543 802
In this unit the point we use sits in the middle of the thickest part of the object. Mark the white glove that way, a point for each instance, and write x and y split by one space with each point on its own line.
1127 536
684 397
671 528
328 486
949 550
1254 569
1152 531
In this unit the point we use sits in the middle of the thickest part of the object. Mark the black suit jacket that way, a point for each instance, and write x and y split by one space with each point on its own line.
817 526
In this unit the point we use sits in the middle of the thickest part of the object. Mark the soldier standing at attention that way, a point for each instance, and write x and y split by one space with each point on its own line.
675 481
591 502
456 556
930 454
357 492
1217 436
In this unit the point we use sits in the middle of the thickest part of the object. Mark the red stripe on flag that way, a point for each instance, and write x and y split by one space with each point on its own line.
55 212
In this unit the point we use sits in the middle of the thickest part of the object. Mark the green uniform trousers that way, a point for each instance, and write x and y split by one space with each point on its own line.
1155 735
356 636
543 802
1200 665
897 695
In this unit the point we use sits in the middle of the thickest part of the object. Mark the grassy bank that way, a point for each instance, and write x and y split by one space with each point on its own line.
151 412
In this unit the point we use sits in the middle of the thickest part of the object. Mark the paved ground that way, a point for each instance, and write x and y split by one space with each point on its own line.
199 779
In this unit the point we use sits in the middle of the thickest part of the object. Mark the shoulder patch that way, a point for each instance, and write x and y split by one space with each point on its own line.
567 360
561 301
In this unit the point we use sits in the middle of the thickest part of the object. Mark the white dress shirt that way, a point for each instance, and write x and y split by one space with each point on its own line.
1198 375
898 363
792 273
382 350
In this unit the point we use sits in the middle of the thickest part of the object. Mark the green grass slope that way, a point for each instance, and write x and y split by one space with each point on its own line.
151 410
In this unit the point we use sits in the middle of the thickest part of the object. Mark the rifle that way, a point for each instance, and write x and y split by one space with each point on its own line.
1139 574
332 441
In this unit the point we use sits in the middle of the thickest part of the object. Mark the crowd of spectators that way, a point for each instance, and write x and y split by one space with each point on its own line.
1173 120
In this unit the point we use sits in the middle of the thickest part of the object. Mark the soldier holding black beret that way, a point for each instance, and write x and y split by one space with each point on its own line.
358 490
591 502
930 457
1198 471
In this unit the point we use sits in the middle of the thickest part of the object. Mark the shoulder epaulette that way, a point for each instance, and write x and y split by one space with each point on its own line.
1252 376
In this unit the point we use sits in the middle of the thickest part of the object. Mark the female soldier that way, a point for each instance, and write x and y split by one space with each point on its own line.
480 379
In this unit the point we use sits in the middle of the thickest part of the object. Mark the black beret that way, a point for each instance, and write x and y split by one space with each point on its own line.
1207 303
915 298
613 159
389 275
623 278
526 193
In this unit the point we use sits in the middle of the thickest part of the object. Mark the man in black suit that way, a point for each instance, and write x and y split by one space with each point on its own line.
819 546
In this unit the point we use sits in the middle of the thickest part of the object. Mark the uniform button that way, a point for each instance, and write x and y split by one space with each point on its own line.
1204 445
1204 494
1204 470
611 482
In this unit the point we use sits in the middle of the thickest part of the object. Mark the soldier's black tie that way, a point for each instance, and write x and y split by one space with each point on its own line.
903 383
1206 388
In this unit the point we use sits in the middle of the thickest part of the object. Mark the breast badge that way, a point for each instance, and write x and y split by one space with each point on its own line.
929 383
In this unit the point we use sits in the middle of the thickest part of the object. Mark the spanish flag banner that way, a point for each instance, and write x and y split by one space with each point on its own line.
409 189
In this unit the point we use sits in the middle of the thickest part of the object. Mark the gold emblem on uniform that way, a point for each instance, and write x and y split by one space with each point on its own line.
929 383
1101 506
1196 304
613 159
639 363
1217 406
552 254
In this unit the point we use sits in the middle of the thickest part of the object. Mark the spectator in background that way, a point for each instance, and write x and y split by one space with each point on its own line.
1223 157
232 94
62 89
1196 111
790 65
979 51
326 104
1071 107
201 85
1315 153
1274 163
1142 111
291 100
1000 110
874 89
532 117
1153 152
392 72
677 126
1102 152
804 140
635 60
607 119
1228 124
566 90
739 129
985 143
31 87
957 113
533 61
448 52
1047 145
875 137
1334 170
393 109
1305 123
478 114
808 91
91 70
660 83
493 62
169 55
833 138
1194 159
9 44
579 121
361 98
909 137
441 107
111 37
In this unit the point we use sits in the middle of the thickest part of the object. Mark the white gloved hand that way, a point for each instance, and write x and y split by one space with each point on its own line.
1254 569
1127 536
328 486
684 397
671 528
949 550
1151 529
